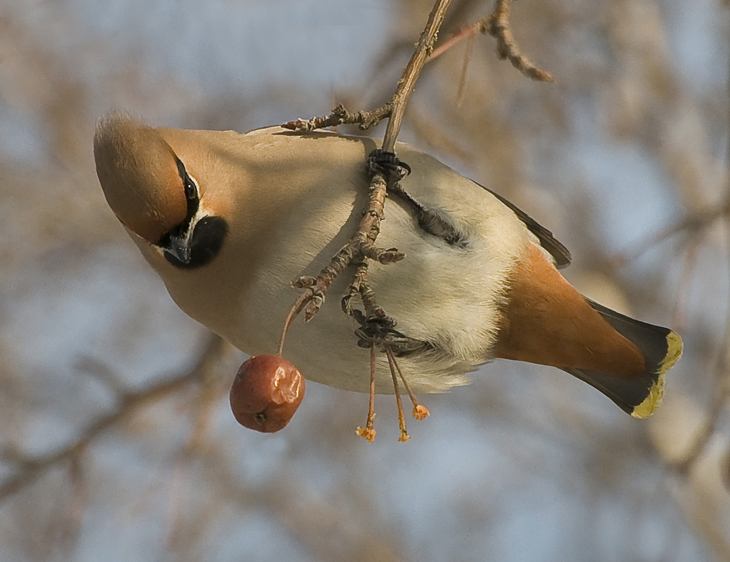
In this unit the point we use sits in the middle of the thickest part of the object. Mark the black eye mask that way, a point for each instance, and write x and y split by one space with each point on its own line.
196 241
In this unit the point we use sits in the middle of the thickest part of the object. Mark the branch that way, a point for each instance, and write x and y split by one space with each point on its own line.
362 244
340 116
423 50
720 392
496 24
507 48
479 26
396 107
30 469
694 223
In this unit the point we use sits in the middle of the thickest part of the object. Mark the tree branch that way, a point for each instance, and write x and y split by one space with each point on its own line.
507 48
412 72
362 244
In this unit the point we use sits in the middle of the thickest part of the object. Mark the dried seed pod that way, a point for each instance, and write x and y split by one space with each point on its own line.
266 392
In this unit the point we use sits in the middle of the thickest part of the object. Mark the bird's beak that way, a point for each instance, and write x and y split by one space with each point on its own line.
179 248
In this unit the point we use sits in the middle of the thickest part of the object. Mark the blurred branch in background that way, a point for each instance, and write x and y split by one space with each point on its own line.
29 468
624 159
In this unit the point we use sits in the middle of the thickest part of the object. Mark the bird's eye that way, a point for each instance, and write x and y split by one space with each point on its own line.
191 189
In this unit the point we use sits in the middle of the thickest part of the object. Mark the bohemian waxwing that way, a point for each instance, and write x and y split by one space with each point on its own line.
229 220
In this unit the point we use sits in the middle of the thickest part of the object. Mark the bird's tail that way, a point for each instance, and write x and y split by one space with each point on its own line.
661 347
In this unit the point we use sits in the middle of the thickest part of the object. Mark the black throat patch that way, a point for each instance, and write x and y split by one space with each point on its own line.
197 240
209 234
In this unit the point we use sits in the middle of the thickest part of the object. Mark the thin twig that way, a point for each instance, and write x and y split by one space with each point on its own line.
362 244
467 32
720 388
395 109
696 222
340 116
368 432
419 410
507 48
401 417
367 295
424 48
294 311
464 67
496 24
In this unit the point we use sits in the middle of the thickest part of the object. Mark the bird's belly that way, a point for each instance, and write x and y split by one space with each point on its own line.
438 294
446 296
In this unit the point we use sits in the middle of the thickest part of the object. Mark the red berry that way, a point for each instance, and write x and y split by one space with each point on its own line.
266 392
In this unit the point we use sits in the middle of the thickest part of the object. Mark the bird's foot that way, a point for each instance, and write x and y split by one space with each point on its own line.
387 164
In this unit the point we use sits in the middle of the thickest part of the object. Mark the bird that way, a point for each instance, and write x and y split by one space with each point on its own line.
228 220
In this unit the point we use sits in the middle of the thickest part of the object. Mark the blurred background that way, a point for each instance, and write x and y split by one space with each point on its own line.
116 438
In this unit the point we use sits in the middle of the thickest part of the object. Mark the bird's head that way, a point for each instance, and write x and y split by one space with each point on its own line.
147 185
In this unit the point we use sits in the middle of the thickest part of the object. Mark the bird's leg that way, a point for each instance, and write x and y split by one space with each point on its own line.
368 432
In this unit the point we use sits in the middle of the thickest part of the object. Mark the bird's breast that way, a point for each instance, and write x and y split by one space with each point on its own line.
298 210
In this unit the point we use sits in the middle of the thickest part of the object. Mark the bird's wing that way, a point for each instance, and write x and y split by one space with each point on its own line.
560 253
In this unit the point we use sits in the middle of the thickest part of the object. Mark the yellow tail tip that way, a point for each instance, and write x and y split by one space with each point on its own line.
656 392
674 352
652 401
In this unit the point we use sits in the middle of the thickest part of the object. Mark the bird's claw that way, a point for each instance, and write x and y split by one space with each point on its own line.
387 164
